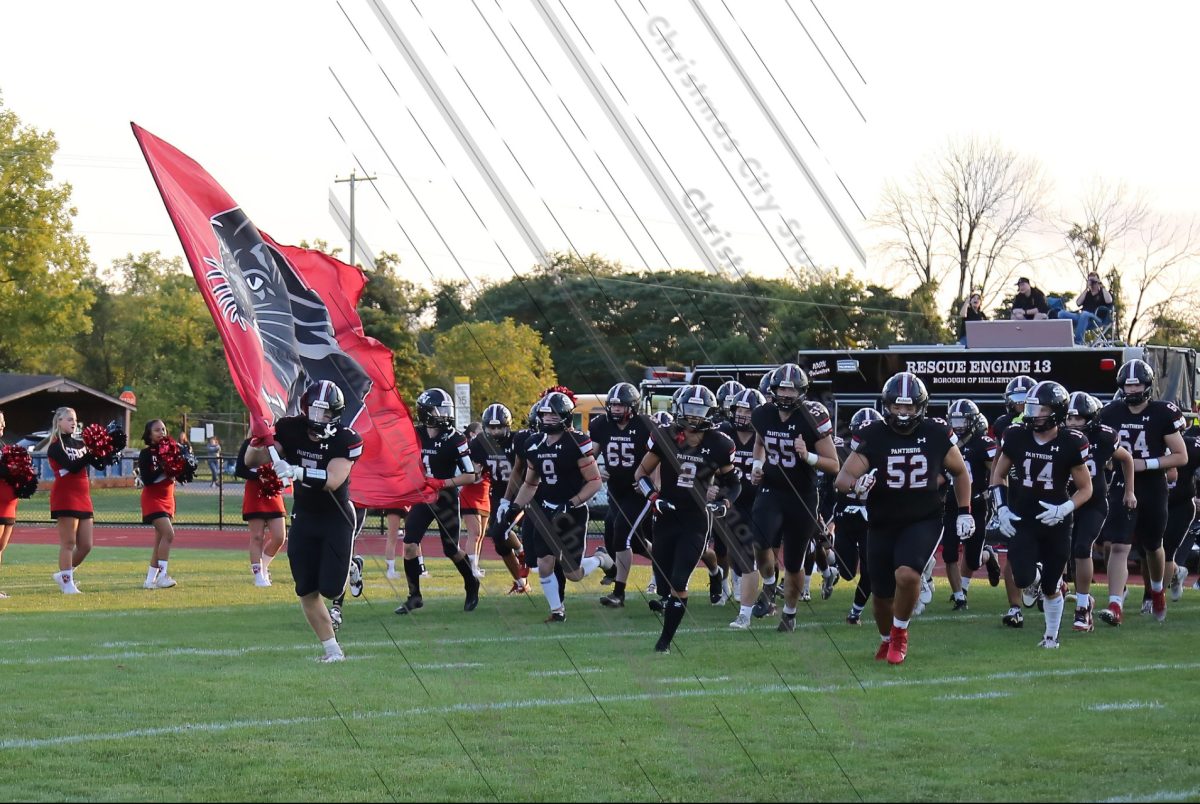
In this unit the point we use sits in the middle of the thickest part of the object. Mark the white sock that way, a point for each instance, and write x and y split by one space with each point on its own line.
966 584
901 624
807 583
1054 610
714 572
151 574
886 639
589 565
857 609
474 561
162 565
520 583
1118 599
768 579
1156 586
789 609
391 562
550 590
331 646
747 611
58 577
960 595
1082 601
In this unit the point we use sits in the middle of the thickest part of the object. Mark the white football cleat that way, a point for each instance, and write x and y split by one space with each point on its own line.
164 581
742 623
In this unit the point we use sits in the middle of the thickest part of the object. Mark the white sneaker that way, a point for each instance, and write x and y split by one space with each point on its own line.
66 582
829 579
149 585
1177 580
1196 585
164 581
332 657
425 574
736 587
927 590
1147 607
919 609
261 579
392 575
742 623
1049 642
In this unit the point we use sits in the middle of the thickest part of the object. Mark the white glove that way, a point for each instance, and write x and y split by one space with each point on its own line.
502 507
1006 518
1054 514
965 526
283 468
661 506
864 484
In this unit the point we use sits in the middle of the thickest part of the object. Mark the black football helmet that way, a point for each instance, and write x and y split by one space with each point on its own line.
905 388
789 375
1086 407
626 394
864 416
1015 391
435 408
764 386
663 419
696 408
742 408
966 420
1046 406
531 421
1136 372
725 395
322 404
554 412
496 415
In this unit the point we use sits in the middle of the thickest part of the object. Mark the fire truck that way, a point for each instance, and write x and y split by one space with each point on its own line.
845 381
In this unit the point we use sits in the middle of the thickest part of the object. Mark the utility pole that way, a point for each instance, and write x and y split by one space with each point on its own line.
353 179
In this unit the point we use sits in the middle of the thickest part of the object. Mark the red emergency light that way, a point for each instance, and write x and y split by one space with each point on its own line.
1107 364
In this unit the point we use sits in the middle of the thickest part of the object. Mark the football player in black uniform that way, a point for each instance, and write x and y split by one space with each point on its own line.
794 439
896 465
691 457
561 476
1151 430
1083 414
448 466
736 529
1014 400
850 526
726 393
1181 510
978 451
1035 508
619 440
317 453
493 451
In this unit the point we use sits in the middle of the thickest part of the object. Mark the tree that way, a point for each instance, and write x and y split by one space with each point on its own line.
392 311
970 206
514 374
43 298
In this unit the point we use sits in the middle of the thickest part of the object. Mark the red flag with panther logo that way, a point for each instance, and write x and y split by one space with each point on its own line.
275 326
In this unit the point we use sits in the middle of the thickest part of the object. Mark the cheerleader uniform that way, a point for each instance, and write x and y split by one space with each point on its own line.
254 505
71 493
158 487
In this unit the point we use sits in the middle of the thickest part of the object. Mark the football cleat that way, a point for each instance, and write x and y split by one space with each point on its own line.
1083 620
517 589
657 604
1177 581
661 647
413 603
613 601
993 568
1158 603
829 579
356 576
164 581
260 579
805 596
960 604
898 647
332 657
1031 594
1147 607
882 651
1049 642
1112 614
764 608
716 587
787 623
742 623
1014 618
472 589
335 616
854 618
927 590
556 617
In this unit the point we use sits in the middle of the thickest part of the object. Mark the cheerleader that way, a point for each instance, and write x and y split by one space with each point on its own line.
70 497
265 517
8 506
158 499
474 500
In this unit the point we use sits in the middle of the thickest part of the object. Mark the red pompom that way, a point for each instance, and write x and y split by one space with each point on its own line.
99 444
170 457
562 389
272 484
19 470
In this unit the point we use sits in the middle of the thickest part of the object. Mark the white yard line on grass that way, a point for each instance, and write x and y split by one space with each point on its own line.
693 680
1124 706
539 703
554 673
1159 795
974 696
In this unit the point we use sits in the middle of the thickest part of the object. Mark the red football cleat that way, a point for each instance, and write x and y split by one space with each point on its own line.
1112 614
898 647
1158 603
882 651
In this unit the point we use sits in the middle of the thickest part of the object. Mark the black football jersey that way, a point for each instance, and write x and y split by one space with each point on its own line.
907 468
1042 471
622 450
494 457
686 473
1103 442
291 433
1184 486
1002 423
1144 434
445 454
557 464
979 451
743 459
783 468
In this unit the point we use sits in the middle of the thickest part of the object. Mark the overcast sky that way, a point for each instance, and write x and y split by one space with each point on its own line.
264 95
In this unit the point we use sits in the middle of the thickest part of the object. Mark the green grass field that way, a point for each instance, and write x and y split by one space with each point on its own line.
210 691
